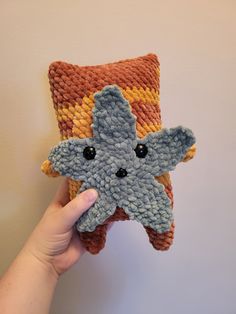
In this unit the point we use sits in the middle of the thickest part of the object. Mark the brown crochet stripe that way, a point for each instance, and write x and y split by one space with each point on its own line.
146 113
70 83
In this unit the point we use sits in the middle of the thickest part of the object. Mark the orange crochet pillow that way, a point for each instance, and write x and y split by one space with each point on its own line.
73 88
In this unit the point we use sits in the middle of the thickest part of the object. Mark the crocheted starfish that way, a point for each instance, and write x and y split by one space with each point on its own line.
120 166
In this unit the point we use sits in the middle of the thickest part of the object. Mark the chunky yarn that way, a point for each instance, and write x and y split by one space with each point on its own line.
74 91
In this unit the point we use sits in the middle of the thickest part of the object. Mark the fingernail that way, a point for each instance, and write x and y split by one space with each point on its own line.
91 195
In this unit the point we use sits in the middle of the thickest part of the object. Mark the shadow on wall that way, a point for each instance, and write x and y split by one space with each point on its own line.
100 283
88 287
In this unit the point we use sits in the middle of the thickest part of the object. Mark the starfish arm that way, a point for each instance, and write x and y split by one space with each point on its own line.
102 209
166 149
149 205
113 122
67 158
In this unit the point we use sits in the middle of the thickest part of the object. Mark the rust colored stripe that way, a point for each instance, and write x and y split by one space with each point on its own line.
146 113
70 83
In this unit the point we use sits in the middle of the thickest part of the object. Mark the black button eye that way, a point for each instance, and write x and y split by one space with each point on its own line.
141 150
89 152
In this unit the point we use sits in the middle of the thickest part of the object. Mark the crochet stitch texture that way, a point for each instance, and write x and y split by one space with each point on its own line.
73 88
114 141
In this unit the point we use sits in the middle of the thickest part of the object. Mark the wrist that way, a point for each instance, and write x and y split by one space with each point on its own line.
40 264
28 285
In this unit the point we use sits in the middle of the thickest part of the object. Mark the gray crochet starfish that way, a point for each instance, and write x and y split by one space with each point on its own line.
120 166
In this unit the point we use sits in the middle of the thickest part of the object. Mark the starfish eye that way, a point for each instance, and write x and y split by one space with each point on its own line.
141 150
89 153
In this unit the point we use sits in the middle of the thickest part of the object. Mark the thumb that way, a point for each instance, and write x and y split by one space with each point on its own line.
71 212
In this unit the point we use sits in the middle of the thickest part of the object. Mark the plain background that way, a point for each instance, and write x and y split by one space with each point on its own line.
196 43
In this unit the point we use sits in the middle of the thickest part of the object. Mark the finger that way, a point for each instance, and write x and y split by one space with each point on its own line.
70 213
62 194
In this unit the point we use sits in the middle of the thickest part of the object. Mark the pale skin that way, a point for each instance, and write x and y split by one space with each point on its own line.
53 247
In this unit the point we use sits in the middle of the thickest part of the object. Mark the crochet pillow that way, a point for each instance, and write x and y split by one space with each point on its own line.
112 139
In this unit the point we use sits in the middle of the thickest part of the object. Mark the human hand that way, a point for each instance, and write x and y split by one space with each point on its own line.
54 241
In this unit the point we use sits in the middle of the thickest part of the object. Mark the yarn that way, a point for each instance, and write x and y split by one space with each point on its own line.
73 89
120 166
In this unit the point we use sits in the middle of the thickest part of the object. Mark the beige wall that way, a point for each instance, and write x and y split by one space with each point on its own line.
196 43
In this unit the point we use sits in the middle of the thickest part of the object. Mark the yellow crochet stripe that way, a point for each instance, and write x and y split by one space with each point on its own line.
81 115
140 94
47 168
190 153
